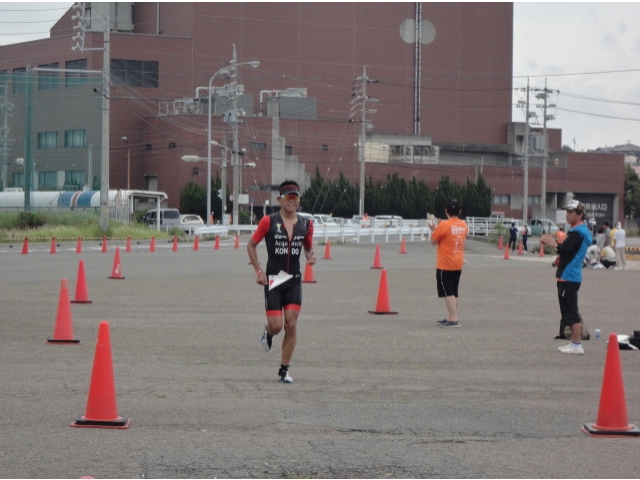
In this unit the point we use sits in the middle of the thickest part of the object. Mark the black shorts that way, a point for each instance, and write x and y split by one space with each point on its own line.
287 296
448 281
568 299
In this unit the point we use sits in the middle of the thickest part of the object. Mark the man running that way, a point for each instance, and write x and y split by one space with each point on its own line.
286 235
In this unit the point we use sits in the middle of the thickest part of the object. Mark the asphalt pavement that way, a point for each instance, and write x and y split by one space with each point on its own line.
374 396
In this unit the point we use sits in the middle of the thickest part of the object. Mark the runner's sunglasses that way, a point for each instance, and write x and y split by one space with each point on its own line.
290 196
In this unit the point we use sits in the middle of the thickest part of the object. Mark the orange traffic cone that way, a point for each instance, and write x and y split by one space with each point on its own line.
308 274
216 246
128 247
175 244
541 254
104 244
82 296
53 245
500 244
79 245
520 249
403 247
327 251
116 272
63 331
237 244
506 253
376 259
152 247
25 246
612 413
196 246
102 411
383 306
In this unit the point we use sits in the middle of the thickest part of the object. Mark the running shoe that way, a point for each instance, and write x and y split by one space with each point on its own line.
284 376
449 324
564 346
573 350
265 340
442 322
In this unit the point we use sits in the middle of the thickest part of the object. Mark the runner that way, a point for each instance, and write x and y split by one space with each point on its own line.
286 234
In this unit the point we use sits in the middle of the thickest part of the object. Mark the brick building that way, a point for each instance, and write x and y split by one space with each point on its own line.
443 76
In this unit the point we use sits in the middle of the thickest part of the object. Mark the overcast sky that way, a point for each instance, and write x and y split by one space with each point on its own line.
589 52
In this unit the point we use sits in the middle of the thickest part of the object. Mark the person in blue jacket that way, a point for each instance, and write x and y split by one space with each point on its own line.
571 254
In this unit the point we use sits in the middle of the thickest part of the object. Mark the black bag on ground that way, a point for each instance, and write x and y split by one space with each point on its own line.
565 332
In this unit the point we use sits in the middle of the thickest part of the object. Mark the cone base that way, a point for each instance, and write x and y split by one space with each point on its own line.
591 430
309 281
81 301
377 268
120 422
116 278
55 340
383 313
327 258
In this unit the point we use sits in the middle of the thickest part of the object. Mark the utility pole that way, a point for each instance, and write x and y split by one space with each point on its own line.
360 95
104 25
525 188
545 155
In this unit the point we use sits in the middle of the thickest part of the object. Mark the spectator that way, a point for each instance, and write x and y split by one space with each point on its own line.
513 237
607 234
619 245
600 238
592 256
608 257
525 237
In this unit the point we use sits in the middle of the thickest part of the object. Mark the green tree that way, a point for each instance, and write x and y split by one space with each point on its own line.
631 193
193 199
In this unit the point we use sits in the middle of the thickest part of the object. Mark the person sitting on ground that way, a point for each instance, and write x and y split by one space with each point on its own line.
608 257
592 256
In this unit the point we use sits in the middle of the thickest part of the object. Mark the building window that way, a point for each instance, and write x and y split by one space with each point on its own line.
258 146
20 80
75 138
173 145
73 79
501 200
73 178
47 140
148 147
533 199
325 148
134 73
48 80
47 180
18 179
288 150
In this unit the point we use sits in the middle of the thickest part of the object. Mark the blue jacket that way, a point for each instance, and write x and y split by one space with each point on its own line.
572 252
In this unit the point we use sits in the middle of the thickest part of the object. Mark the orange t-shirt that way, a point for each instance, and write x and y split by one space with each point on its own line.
450 235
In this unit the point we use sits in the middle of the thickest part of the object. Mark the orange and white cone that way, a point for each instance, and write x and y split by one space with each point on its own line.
152 246
104 244
612 412
327 251
82 295
116 271
63 331
216 246
128 247
175 244
308 274
53 246
196 245
237 244
403 247
376 259
520 249
383 306
25 246
102 411
79 245
506 253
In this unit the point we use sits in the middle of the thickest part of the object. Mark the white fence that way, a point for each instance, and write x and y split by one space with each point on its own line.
412 232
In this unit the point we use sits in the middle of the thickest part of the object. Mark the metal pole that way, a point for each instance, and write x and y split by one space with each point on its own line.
128 166
525 189
543 193
223 190
363 126
209 155
28 157
106 96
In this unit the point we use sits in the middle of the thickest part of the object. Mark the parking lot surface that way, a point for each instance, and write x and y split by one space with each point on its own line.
374 396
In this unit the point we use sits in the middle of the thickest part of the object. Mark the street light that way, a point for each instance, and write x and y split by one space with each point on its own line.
253 64
124 139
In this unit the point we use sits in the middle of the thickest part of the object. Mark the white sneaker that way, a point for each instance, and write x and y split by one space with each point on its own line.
284 376
564 347
265 340
573 350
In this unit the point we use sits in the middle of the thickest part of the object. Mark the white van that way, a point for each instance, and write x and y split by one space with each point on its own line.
169 218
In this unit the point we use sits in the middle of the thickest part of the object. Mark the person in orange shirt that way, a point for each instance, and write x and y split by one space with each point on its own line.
449 236
560 237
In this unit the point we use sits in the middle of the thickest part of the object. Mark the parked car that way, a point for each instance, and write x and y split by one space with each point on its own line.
190 221
537 225
306 216
325 221
169 218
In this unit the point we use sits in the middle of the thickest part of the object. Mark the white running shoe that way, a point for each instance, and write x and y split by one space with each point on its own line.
284 376
564 347
573 350
265 340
